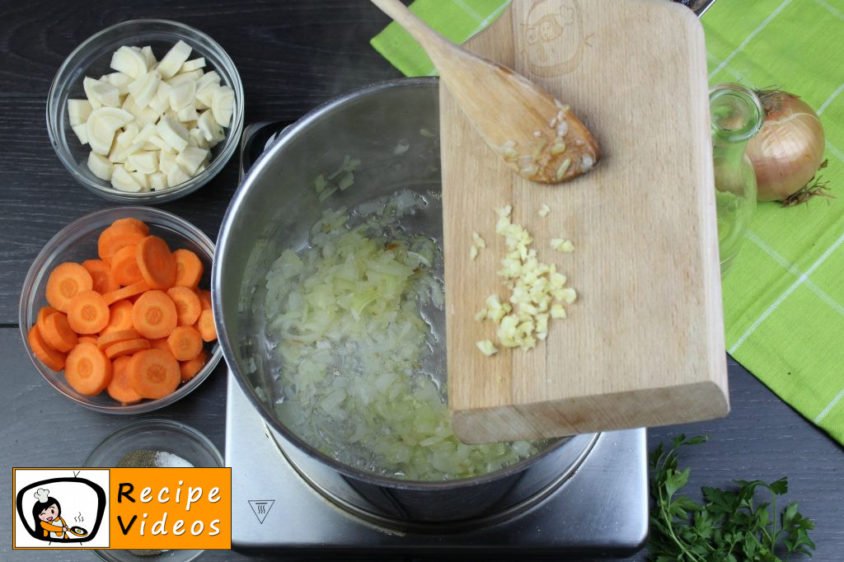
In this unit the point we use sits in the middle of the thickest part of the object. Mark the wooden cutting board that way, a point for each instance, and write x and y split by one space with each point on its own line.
644 343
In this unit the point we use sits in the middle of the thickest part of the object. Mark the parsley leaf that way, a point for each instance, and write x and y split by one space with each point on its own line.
731 525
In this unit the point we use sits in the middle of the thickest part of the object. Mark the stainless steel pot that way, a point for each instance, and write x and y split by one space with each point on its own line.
273 210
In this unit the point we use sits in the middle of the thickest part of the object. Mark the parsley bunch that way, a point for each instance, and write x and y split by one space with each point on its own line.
730 525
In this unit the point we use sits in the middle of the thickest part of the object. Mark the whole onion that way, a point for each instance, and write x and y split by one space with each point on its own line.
788 150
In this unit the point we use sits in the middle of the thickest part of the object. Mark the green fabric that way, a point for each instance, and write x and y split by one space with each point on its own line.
784 296
457 20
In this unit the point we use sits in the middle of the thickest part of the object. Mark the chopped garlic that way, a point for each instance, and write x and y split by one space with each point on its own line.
473 252
544 210
479 242
537 290
558 311
562 245
487 347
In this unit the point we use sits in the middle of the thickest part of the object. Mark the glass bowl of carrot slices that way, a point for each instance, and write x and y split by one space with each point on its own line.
115 311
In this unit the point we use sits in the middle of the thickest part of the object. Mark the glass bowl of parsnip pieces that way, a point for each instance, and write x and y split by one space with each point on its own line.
146 111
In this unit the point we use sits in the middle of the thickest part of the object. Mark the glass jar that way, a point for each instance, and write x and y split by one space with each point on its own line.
736 117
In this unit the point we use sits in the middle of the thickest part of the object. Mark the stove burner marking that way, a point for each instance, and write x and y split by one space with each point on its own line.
261 508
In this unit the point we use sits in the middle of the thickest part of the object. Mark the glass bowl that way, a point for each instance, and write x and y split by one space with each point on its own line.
143 438
78 242
92 58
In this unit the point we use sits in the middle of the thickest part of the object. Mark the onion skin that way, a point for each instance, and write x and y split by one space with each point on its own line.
788 150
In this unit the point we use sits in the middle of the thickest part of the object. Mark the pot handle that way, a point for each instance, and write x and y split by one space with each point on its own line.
256 139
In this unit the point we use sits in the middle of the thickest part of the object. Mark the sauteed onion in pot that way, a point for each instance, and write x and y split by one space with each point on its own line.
361 364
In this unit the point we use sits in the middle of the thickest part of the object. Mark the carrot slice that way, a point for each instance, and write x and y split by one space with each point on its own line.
43 312
114 238
87 339
205 299
87 370
131 222
191 367
120 317
119 387
154 315
104 281
160 343
65 282
56 332
108 338
126 347
126 292
187 303
88 313
156 262
185 343
53 359
206 326
154 373
189 268
124 266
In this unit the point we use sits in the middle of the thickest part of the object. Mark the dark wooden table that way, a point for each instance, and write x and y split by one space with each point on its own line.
291 55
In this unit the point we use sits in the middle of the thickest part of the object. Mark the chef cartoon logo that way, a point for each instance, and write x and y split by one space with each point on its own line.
60 508
553 37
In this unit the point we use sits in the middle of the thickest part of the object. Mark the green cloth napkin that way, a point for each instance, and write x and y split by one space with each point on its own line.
784 296
456 20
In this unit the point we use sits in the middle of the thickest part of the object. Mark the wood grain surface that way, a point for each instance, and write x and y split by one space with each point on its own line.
292 56
643 344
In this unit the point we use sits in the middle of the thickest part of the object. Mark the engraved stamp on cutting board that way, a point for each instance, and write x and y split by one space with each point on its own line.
552 38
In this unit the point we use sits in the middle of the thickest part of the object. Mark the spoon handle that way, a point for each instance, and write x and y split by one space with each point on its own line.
435 44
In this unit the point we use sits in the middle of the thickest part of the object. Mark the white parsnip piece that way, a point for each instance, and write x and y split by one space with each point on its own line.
102 125
176 176
120 81
145 123
145 162
141 179
182 95
144 88
167 161
222 105
78 111
192 65
174 59
191 158
205 94
188 115
173 133
122 180
211 77
158 181
81 132
211 130
197 138
100 93
149 57
184 77
129 61
100 166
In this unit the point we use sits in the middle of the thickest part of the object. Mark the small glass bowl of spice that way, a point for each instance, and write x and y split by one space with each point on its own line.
154 443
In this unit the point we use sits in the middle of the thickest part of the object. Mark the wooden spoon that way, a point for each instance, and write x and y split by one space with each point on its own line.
537 136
